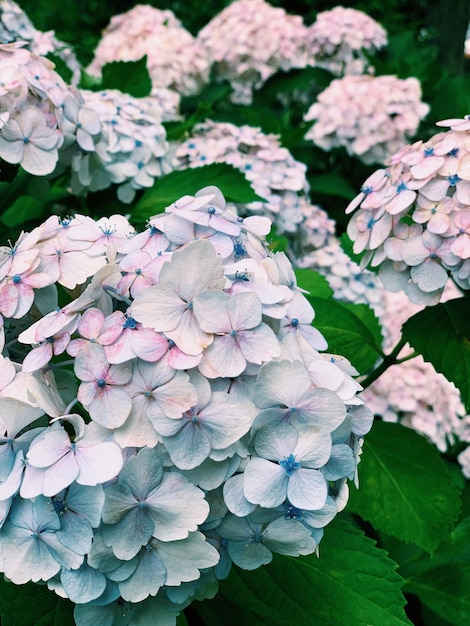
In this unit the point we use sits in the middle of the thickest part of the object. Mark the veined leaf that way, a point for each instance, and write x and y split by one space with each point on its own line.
442 335
405 488
314 283
346 333
353 582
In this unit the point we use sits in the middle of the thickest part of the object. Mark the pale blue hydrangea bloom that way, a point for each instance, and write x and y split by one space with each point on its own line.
287 466
250 541
284 391
30 547
148 502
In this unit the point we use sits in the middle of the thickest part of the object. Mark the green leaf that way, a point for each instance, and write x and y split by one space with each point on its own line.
332 185
405 488
305 79
314 283
368 317
61 68
167 189
130 77
446 591
24 605
22 210
442 335
353 582
346 333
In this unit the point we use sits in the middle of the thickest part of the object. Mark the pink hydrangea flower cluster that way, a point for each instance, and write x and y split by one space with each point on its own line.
338 38
272 171
413 218
132 146
371 117
15 25
39 114
217 431
175 59
249 41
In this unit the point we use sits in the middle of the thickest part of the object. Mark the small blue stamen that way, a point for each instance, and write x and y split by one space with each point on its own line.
454 179
427 152
101 383
130 323
16 279
289 464
294 322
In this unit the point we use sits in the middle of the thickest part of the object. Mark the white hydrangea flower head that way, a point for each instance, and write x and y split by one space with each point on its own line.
15 25
338 39
40 114
370 116
175 59
249 41
212 417
272 171
412 220
132 147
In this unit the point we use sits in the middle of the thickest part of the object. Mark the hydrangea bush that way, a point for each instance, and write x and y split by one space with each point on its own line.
339 40
184 403
249 41
426 182
370 116
182 449
132 147
175 59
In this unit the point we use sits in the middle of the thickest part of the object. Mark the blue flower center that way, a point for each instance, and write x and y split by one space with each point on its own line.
16 279
294 322
101 383
428 152
454 179
289 464
130 323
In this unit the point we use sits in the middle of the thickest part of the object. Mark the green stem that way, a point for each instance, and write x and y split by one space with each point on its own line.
388 360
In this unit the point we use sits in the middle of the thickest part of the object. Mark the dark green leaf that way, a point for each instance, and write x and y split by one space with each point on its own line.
177 131
406 490
61 68
24 605
368 318
353 582
314 283
22 210
166 190
446 591
130 77
442 335
332 185
307 79
346 333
